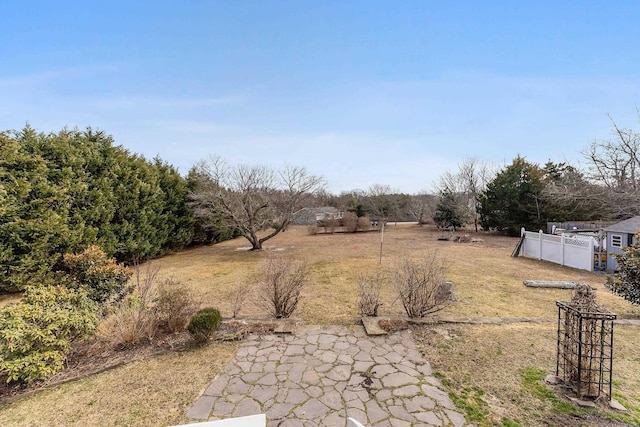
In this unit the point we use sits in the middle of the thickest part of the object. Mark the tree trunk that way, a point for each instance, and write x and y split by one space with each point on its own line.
256 244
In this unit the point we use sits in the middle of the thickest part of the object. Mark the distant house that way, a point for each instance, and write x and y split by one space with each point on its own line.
308 216
619 236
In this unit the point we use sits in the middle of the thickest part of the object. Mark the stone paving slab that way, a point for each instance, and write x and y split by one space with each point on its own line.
319 376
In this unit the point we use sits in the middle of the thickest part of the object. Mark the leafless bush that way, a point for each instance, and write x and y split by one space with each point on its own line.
465 238
133 319
427 220
421 285
144 282
369 286
280 283
350 222
238 296
364 223
129 324
312 229
330 224
175 305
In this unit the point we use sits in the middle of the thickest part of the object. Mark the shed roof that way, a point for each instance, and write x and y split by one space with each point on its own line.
324 209
630 225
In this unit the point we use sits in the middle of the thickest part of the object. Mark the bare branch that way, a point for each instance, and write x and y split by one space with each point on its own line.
251 199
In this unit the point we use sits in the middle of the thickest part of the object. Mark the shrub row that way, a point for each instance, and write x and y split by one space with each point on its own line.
36 333
62 192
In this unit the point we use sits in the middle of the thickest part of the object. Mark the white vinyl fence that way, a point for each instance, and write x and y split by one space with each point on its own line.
570 250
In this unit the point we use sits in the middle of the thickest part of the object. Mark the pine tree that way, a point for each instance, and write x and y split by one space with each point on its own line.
448 212
513 199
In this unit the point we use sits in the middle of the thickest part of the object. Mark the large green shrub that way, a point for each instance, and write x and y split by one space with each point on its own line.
61 192
626 282
204 323
31 230
449 211
102 277
36 333
513 199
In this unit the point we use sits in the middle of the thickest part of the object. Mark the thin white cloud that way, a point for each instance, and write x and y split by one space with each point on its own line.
153 103
39 78
347 161
190 127
399 133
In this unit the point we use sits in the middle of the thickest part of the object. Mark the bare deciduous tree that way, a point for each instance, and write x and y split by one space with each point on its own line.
381 202
422 206
474 176
570 196
251 199
466 184
615 164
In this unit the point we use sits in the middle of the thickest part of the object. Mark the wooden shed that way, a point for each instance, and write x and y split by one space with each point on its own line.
620 235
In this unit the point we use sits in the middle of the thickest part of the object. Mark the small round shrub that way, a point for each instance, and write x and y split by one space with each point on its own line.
204 323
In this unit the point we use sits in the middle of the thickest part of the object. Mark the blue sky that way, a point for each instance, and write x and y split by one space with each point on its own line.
361 92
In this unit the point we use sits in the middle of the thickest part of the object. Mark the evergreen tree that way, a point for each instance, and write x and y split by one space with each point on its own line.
626 281
62 192
33 224
448 212
176 213
513 199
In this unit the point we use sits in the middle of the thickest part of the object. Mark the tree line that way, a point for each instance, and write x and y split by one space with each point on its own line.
526 194
62 192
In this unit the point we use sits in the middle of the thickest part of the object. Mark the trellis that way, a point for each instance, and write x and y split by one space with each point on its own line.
585 344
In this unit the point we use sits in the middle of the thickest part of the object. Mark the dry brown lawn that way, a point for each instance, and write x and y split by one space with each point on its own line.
487 283
489 362
487 280
152 392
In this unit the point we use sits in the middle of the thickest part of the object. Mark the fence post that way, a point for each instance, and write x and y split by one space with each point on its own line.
562 249
592 252
540 245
